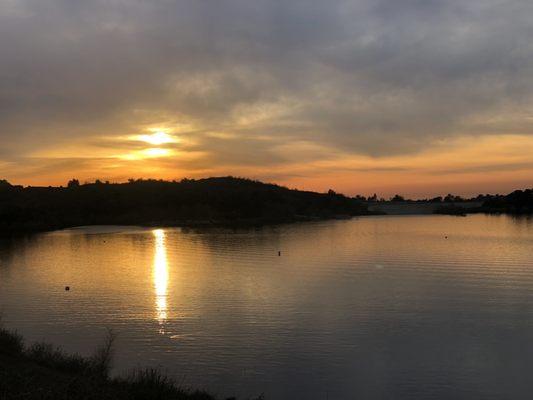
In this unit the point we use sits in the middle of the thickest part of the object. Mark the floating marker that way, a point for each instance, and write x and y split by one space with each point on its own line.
67 288
279 253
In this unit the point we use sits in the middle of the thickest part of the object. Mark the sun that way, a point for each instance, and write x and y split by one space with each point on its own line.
157 138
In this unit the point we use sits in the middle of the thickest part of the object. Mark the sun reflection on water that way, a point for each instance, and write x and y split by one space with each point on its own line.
160 276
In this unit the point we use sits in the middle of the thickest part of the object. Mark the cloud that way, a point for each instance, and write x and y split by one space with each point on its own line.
375 78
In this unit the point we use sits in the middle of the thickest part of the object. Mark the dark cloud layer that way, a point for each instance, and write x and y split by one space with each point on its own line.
370 77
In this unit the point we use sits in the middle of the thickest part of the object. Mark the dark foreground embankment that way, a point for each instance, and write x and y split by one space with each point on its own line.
43 372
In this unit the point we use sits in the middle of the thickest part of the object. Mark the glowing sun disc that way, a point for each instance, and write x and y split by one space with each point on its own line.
158 138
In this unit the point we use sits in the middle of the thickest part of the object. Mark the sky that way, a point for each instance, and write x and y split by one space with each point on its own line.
417 97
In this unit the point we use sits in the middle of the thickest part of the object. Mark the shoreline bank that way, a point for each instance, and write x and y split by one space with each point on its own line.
42 371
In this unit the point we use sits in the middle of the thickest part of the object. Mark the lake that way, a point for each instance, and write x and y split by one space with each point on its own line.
385 307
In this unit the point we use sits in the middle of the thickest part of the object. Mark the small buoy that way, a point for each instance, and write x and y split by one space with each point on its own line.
67 288
445 237
279 253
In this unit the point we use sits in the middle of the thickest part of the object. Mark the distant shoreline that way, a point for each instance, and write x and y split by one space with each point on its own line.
235 224
214 202
381 209
223 201
423 208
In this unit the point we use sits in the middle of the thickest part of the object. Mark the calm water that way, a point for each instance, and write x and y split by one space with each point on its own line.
371 308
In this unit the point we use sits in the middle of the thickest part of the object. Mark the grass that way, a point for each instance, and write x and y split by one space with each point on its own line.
42 371
150 383
48 356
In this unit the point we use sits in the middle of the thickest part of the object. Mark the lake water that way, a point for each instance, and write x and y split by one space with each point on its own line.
389 307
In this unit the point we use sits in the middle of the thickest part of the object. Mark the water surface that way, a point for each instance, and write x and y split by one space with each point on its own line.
392 307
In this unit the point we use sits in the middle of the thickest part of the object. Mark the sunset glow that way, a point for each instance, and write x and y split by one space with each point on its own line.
153 152
375 98
266 199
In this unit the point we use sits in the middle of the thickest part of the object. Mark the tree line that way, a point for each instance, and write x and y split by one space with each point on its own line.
225 200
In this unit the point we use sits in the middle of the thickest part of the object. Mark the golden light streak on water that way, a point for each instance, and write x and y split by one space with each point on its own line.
160 277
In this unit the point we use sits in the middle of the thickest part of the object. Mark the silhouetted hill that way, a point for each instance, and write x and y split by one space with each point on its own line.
225 200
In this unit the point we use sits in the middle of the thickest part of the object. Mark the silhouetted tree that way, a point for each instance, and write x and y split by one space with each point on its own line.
397 197
73 183
450 198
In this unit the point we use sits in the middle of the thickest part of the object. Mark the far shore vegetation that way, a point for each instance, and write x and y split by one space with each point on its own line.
204 202
224 201
518 202
42 371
